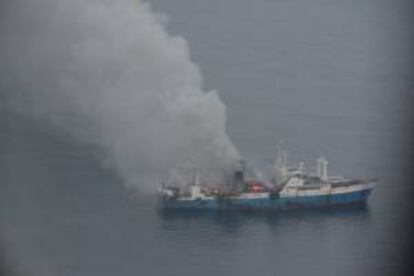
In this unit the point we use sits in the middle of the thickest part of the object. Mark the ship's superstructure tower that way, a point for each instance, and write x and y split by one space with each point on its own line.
282 172
322 168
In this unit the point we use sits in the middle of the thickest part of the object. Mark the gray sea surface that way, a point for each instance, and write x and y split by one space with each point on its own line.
325 76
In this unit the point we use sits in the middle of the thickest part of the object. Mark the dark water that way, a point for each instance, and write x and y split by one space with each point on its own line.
324 76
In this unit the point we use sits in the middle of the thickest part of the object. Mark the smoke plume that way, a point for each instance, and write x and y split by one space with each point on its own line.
108 73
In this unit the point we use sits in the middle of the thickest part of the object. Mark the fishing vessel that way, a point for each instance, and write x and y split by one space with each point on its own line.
288 188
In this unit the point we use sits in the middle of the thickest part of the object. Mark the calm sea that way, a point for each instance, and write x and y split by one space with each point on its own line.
325 76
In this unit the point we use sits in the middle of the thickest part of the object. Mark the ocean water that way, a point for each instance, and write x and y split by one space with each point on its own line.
326 77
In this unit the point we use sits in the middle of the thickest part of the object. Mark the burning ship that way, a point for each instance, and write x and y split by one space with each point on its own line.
288 188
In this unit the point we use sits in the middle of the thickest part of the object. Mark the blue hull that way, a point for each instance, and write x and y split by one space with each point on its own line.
277 203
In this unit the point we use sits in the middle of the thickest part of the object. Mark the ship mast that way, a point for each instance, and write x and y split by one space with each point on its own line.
194 179
281 169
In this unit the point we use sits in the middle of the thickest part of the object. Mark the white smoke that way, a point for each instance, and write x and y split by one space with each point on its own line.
107 72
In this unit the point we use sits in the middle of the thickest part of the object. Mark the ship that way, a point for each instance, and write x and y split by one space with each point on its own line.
288 188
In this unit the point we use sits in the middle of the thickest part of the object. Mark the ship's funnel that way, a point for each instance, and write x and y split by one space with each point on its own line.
238 177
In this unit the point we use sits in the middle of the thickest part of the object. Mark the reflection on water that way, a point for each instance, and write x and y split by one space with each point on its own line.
210 223
235 219
271 241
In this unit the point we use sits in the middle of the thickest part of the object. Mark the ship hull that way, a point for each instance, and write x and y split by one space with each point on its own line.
268 202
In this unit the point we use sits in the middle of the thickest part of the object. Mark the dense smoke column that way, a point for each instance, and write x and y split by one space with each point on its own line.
108 73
